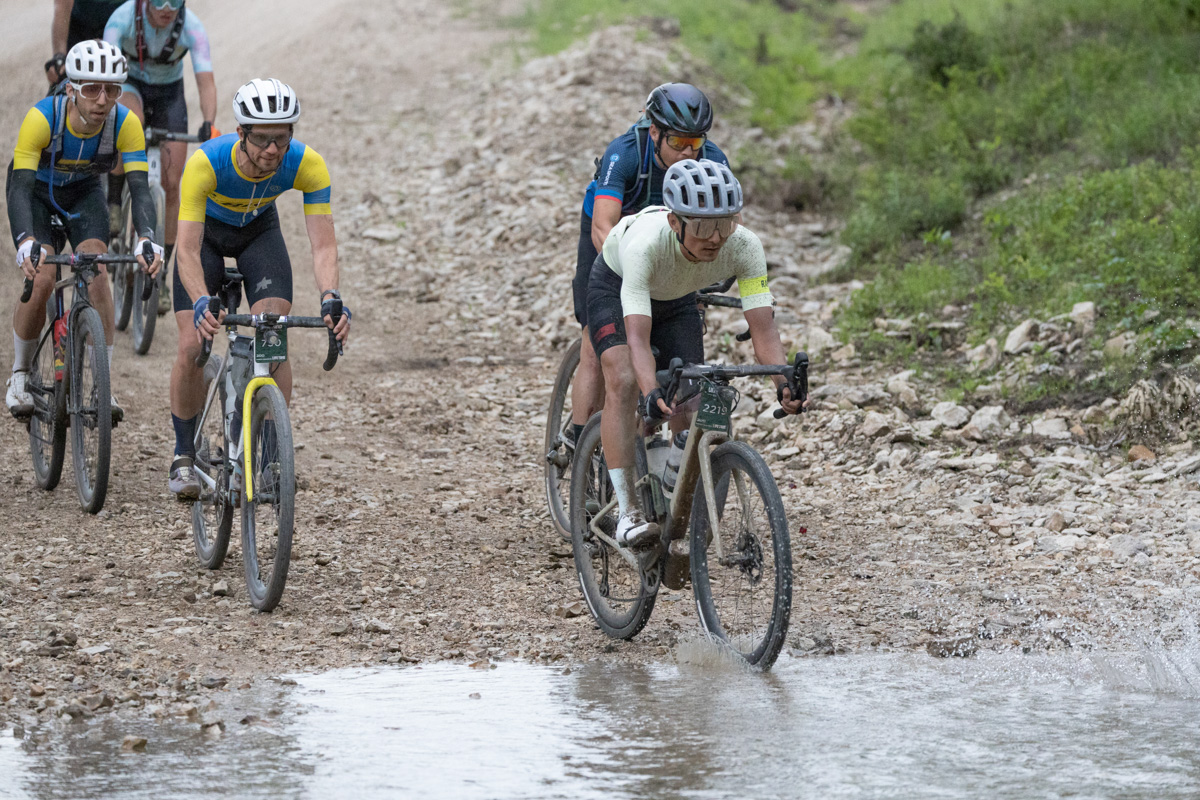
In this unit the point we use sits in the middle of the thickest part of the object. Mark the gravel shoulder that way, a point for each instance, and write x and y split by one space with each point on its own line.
421 527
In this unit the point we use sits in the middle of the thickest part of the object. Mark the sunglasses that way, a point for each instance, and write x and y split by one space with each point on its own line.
92 91
163 5
680 142
705 227
262 141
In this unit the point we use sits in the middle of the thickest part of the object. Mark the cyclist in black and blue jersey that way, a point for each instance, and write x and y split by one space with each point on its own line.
629 177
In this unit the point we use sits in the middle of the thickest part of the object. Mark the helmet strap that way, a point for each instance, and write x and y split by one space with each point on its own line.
679 238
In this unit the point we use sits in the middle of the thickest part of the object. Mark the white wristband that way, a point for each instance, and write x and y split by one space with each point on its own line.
158 249
24 251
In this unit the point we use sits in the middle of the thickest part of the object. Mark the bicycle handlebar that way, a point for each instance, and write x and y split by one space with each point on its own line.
274 321
79 259
796 374
156 135
720 288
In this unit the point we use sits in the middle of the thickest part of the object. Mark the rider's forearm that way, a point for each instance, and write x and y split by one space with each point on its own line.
61 25
637 332
145 219
20 204
190 239
206 87
324 249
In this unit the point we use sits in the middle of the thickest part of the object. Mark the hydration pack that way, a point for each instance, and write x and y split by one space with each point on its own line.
645 147
167 55
105 157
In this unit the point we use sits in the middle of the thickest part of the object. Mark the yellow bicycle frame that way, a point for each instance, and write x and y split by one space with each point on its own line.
247 399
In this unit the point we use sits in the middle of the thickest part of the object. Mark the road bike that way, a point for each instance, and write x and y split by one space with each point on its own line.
244 454
135 295
69 379
723 524
560 440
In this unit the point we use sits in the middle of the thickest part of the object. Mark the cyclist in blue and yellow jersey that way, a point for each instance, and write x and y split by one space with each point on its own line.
629 177
65 143
155 35
75 21
228 210
641 296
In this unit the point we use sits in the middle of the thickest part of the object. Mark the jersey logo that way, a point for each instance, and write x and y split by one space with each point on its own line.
615 157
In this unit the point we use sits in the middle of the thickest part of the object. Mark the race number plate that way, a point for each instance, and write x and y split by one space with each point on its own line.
270 345
716 407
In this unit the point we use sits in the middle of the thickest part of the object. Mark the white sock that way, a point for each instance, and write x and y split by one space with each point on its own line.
23 353
623 486
110 349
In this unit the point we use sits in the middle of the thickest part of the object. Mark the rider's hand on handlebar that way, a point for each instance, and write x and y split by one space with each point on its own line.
24 262
206 324
784 394
342 329
655 407
151 269
206 131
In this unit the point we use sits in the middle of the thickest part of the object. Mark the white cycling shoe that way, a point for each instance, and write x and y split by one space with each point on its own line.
634 531
18 399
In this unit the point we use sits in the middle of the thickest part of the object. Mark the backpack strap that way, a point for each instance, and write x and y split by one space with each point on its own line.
168 55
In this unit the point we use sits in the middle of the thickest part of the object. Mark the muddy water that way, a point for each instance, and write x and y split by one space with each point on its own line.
886 726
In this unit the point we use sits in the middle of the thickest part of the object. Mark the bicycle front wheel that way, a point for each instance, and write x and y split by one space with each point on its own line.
90 408
743 578
145 312
267 518
560 444
613 588
212 511
48 424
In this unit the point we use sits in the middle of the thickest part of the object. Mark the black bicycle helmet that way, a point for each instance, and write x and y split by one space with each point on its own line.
679 107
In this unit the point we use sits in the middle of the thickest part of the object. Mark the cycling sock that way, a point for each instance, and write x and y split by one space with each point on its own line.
623 486
110 352
115 184
22 353
185 435
578 430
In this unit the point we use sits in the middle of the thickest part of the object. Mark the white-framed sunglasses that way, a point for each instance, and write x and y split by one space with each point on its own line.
705 227
163 5
93 90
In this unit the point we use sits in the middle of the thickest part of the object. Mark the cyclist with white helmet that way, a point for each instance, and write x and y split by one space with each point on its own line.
641 294
629 177
155 35
227 210
65 143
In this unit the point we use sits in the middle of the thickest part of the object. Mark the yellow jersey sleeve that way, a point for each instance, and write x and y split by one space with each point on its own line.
198 182
32 139
312 178
131 142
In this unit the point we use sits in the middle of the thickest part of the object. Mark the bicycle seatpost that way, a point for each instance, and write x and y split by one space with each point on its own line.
35 255
214 308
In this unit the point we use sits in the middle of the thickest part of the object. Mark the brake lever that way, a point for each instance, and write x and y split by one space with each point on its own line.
35 255
214 308
797 381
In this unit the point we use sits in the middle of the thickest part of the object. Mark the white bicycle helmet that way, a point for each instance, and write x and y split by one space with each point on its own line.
701 188
96 60
266 101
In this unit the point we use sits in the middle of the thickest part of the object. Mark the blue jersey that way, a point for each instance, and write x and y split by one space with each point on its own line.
618 174
76 151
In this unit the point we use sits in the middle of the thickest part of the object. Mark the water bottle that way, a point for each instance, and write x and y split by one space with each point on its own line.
674 459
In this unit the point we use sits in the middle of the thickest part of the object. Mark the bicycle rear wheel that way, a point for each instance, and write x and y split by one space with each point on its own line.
48 424
614 589
212 512
267 519
145 312
560 446
122 275
744 593
90 408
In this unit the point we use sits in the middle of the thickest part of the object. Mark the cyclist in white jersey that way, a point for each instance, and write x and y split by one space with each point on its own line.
641 294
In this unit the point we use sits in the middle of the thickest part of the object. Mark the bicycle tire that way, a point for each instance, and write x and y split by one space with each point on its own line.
265 586
558 449
48 423
623 612
122 275
90 408
759 644
145 312
212 512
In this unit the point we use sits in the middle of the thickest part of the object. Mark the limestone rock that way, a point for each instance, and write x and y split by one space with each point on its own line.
952 415
1020 336
991 420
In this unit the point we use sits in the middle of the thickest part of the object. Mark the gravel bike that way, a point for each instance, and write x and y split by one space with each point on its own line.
135 295
560 441
69 379
244 454
726 503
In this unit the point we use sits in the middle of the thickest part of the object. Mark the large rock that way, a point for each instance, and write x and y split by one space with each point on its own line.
952 415
900 381
1053 428
818 340
1020 336
1084 315
1125 546
991 420
875 425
